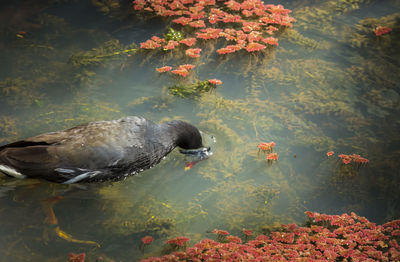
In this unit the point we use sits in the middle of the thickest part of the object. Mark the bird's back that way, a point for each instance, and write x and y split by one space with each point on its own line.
92 152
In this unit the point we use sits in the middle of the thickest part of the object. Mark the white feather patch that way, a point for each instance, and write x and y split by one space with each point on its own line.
11 171
82 176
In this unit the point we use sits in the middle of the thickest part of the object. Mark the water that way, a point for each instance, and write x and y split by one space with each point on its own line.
330 85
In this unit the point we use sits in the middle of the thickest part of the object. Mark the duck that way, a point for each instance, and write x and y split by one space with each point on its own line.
99 151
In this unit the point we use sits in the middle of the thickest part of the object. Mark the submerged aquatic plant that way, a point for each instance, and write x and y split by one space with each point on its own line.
173 35
324 237
109 50
191 90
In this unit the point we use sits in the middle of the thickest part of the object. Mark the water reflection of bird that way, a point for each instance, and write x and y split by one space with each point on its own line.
98 151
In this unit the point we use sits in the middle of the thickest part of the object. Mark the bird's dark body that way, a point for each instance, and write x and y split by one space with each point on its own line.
97 151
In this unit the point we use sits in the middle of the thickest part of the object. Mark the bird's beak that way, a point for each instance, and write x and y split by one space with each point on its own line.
202 152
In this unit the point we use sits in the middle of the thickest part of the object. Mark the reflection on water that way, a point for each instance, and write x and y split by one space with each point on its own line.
331 85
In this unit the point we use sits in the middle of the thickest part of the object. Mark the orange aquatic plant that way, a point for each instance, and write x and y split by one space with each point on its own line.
272 157
251 47
171 45
186 66
220 232
164 69
147 240
255 18
193 52
266 146
181 72
188 41
215 81
178 241
150 44
346 159
247 232
381 30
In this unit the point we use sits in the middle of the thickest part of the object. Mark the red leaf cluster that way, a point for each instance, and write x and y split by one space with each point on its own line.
346 159
380 30
182 70
266 146
326 238
256 20
215 81
147 239
193 52
178 241
77 257
272 157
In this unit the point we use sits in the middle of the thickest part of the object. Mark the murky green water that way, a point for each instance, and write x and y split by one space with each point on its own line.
331 85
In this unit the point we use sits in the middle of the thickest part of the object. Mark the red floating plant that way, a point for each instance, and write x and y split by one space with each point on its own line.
215 81
188 41
186 66
233 5
346 159
197 24
270 41
247 232
171 45
147 240
229 49
266 146
158 39
380 30
345 237
259 22
150 44
181 72
234 239
359 159
193 52
254 36
272 157
330 153
182 20
220 232
178 241
164 69
252 47
209 33
77 257
251 26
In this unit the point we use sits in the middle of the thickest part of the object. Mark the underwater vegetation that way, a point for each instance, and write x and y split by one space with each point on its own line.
191 90
331 83
324 237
